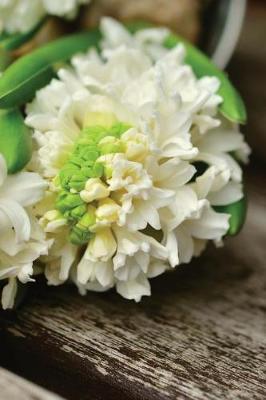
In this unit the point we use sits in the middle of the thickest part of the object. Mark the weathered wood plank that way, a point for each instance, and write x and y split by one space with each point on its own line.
201 336
13 387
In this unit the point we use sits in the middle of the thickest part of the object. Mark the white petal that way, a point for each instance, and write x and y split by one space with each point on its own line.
18 217
92 286
104 274
173 174
9 294
135 289
26 188
85 270
130 271
185 244
156 268
69 253
211 225
25 272
115 34
102 246
231 193
52 272
143 260
150 215
9 243
3 170
7 272
185 204
172 247
212 180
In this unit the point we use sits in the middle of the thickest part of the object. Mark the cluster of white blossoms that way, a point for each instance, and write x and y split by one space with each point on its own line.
135 156
22 15
22 240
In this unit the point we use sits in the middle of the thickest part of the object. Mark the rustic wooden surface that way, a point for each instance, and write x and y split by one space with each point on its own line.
13 387
201 336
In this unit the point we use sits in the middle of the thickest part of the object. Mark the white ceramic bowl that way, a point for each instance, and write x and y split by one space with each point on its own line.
225 18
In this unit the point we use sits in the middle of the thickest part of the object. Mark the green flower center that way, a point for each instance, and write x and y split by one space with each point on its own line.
82 167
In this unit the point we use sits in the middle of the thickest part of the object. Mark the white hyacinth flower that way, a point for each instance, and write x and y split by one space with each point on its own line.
119 137
23 15
22 241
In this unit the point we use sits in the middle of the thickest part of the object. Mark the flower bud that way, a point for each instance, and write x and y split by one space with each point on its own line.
136 145
107 211
81 233
77 181
99 119
109 145
78 212
66 201
102 246
79 237
108 160
89 153
88 218
52 220
97 170
95 189
52 215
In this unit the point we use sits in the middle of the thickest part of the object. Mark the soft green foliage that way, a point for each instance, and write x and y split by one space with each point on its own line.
5 59
15 140
31 72
238 213
14 41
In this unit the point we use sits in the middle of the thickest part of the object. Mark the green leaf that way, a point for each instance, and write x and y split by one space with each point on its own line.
15 140
3 35
233 107
12 42
24 77
238 212
5 59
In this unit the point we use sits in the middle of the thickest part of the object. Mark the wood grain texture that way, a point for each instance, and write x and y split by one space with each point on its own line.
200 336
13 387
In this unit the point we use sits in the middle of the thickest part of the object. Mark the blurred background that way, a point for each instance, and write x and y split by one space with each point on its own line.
248 71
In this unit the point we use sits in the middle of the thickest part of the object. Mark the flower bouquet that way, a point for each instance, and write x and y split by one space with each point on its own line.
120 154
